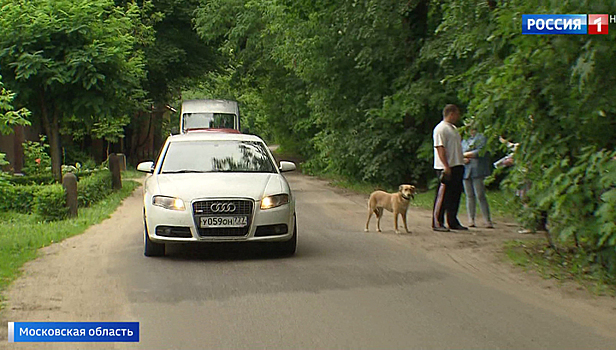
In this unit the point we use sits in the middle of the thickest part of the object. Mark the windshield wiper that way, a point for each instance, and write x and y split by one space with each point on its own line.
183 171
246 171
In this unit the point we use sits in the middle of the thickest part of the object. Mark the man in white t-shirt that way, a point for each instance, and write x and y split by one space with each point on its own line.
449 167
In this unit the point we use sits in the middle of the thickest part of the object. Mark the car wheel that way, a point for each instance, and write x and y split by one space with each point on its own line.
152 248
288 248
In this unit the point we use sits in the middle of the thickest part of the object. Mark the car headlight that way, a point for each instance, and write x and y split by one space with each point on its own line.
168 202
270 202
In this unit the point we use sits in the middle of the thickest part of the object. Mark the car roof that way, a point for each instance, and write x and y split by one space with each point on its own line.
212 136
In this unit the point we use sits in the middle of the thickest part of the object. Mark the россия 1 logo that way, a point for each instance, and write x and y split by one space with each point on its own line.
598 24
566 24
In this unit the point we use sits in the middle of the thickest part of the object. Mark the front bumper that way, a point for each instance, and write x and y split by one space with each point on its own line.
171 226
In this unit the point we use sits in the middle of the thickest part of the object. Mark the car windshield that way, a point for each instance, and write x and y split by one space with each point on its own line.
209 120
217 156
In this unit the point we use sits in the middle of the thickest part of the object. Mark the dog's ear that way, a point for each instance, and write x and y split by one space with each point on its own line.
400 188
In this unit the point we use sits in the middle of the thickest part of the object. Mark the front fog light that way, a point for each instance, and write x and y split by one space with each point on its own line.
270 202
168 202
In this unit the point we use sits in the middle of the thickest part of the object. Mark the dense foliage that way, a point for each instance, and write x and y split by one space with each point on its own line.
36 158
48 199
50 203
93 188
18 198
9 117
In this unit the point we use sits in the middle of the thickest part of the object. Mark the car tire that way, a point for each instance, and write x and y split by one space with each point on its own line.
152 248
288 248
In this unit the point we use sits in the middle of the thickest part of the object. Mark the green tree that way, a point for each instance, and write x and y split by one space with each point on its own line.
178 57
9 117
72 58
273 99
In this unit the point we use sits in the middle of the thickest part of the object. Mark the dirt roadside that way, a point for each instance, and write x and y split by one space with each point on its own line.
479 252
70 280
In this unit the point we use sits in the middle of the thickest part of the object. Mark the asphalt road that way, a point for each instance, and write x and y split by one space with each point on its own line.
344 289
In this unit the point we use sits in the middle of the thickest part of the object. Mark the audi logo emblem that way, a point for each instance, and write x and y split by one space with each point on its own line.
222 207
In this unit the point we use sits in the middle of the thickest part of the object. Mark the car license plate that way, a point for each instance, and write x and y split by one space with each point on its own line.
223 221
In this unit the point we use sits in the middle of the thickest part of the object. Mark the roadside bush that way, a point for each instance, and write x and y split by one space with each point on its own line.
583 197
49 200
74 154
44 179
3 160
35 179
50 203
18 198
36 158
93 188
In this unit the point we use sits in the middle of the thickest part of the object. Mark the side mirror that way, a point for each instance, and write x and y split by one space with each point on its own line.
146 167
287 166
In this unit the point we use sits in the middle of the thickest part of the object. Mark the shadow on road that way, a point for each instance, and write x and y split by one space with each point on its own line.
231 252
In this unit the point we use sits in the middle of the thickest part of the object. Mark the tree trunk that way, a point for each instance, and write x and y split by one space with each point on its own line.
55 148
52 129
98 150
18 149
416 22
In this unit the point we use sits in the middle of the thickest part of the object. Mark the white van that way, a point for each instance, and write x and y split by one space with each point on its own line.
210 115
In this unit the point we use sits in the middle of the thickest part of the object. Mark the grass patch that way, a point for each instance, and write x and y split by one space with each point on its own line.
132 173
497 200
568 264
359 187
21 235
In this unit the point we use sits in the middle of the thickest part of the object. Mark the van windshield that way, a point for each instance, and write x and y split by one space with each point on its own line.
208 121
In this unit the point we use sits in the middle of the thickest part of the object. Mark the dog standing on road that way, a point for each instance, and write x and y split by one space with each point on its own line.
397 203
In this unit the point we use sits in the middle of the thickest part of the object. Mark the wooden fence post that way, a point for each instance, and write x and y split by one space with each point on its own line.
116 174
122 161
69 182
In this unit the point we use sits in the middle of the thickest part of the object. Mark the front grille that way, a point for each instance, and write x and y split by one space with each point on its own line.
243 207
204 208
173 231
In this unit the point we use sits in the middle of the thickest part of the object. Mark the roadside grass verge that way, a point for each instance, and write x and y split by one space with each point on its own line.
567 264
21 235
497 199
131 173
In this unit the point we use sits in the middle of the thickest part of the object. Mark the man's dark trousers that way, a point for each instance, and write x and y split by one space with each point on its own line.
447 199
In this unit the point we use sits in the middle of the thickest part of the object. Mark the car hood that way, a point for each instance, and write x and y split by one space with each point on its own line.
195 186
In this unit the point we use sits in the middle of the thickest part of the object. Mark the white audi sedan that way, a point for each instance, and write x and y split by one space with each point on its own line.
217 187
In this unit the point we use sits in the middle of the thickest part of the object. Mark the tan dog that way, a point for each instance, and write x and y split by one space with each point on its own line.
397 203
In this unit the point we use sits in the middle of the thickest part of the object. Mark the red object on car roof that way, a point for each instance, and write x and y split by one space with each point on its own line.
229 131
